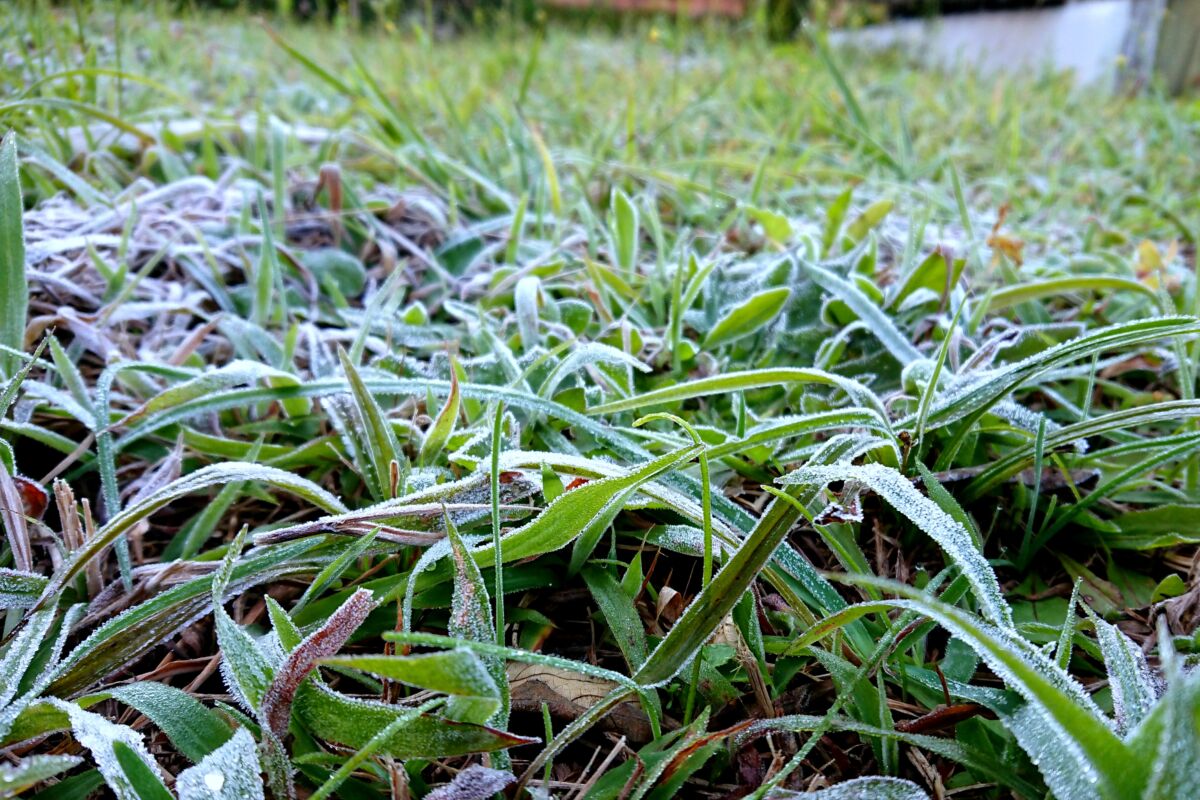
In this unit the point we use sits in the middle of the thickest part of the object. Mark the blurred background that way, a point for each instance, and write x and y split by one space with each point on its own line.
1123 40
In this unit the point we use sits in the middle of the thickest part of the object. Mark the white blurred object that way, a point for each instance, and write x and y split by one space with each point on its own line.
1086 37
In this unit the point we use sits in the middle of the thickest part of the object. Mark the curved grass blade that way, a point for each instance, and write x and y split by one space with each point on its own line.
194 730
878 323
739 382
972 395
1114 422
203 478
32 770
1064 711
582 513
950 534
1008 296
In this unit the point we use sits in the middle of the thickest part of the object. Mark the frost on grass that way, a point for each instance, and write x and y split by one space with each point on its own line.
859 789
244 667
851 446
231 772
470 619
219 475
1063 765
21 652
1059 725
879 323
926 515
427 561
977 390
587 355
98 735
467 500
325 641
1134 690
235 373
470 606
1166 739
16 778
19 589
688 540
1024 419
650 494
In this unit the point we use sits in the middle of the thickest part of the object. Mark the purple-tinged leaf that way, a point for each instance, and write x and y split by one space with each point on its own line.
476 782
325 641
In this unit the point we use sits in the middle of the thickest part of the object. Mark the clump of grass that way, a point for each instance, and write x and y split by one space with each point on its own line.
706 419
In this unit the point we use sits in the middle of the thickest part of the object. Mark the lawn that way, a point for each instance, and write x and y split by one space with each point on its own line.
587 412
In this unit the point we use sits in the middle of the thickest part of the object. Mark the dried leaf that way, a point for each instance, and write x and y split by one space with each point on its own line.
570 694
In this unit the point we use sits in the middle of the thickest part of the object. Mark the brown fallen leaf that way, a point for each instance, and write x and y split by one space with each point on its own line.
1138 363
568 695
669 606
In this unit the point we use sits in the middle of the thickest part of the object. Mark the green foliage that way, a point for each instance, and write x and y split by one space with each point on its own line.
685 385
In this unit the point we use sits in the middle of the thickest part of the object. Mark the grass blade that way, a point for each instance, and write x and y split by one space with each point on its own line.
14 292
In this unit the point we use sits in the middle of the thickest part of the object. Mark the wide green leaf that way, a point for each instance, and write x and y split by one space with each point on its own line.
460 673
582 513
194 730
351 722
747 317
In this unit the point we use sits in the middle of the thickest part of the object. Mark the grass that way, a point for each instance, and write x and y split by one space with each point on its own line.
585 414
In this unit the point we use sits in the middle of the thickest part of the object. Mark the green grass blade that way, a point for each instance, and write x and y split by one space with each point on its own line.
1064 709
583 512
949 533
193 729
748 317
13 287
385 460
734 382
231 772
